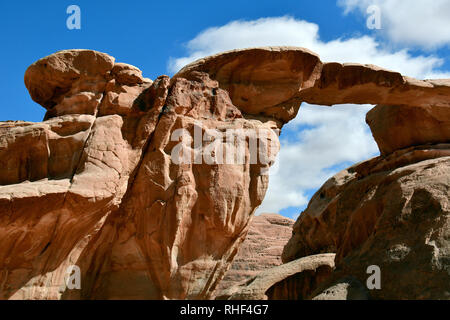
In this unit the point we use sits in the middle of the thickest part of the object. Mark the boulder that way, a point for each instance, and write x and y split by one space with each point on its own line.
50 78
347 288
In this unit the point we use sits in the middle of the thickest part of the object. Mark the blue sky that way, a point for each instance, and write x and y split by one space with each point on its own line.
160 36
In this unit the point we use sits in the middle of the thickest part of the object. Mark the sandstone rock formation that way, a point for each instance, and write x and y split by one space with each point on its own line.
262 80
276 80
112 183
347 288
262 248
399 127
96 186
295 280
395 218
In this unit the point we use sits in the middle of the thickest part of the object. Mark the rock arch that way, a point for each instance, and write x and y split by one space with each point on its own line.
94 185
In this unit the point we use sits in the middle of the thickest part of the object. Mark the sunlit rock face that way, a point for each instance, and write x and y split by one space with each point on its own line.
139 189
109 183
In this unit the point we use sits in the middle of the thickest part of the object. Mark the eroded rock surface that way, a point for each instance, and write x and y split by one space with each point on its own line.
396 218
347 288
398 127
262 248
111 182
294 280
113 199
262 80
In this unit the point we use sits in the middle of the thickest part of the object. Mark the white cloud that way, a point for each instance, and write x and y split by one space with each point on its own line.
244 34
330 136
422 23
321 138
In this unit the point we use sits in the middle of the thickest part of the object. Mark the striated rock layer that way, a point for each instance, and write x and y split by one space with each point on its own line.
295 280
262 248
139 185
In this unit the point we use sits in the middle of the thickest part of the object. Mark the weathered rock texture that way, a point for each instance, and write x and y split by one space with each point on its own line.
395 217
262 248
347 288
295 280
96 184
398 127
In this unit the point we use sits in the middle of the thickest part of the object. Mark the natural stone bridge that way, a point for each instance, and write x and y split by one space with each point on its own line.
94 185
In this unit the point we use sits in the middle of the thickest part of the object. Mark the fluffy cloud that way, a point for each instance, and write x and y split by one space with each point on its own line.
419 22
314 147
321 140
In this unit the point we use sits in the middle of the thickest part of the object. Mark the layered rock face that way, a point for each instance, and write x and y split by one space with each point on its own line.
261 249
148 187
295 280
106 183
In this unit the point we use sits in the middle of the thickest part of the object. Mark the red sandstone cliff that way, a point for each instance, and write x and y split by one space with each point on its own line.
108 184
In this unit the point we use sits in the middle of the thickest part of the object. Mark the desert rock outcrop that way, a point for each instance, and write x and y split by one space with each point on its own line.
396 218
140 184
295 280
114 197
261 249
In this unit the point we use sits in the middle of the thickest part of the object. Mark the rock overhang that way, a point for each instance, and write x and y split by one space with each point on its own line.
270 82
308 79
